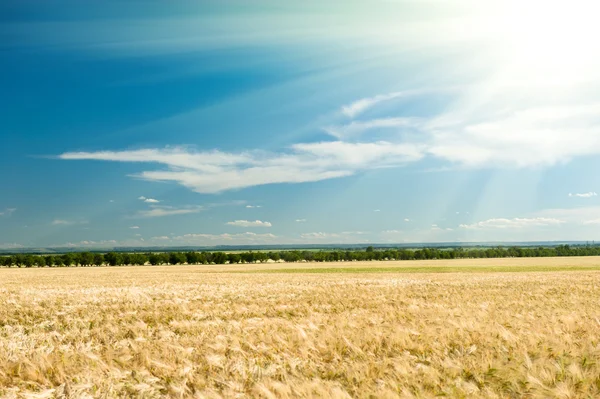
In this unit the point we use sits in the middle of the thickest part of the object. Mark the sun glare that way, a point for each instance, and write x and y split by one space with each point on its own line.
554 42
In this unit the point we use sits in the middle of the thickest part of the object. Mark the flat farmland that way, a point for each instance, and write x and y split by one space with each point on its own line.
491 328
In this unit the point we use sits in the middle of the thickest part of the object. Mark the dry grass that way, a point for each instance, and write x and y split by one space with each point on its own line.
185 332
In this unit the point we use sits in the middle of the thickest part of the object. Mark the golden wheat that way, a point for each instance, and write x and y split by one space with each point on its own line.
196 331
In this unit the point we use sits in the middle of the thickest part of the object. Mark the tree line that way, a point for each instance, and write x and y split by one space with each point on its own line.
178 258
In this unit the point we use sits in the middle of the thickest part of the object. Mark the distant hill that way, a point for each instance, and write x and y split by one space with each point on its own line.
226 248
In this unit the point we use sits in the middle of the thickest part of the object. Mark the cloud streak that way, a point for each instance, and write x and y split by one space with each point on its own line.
516 223
247 223
584 195
162 211
215 171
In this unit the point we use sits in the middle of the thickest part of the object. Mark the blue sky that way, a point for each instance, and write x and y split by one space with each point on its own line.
266 122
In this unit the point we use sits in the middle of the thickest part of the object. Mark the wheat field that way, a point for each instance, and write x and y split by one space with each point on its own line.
258 331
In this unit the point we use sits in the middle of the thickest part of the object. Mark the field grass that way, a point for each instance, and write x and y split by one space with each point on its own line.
359 329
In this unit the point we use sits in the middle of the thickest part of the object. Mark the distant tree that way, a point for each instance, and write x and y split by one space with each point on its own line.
234 258
28 260
49 259
85 258
219 258
19 260
370 249
274 256
67 259
138 259
164 258
177 258
247 257
39 261
126 259
98 259
113 259
192 258
154 259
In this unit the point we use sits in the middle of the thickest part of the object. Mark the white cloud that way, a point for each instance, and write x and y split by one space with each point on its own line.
161 238
516 223
216 239
111 201
319 235
62 222
584 195
356 128
376 210
593 221
509 135
134 227
247 223
148 200
253 206
300 220
580 215
407 220
359 106
212 172
160 211
8 211
349 237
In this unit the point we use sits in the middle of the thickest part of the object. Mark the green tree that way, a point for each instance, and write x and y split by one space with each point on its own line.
113 259
28 260
177 258
67 259
154 259
39 261
85 258
98 259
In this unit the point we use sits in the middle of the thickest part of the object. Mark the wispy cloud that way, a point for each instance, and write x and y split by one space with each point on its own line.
356 128
300 220
248 223
407 220
584 195
134 227
213 172
516 223
213 239
359 106
8 211
160 211
148 200
253 206
62 222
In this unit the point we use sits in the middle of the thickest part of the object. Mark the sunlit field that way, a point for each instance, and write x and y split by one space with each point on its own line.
493 328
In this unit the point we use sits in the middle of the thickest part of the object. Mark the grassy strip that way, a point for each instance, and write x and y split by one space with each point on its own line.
428 269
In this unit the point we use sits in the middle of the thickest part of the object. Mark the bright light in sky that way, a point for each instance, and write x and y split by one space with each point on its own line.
551 42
